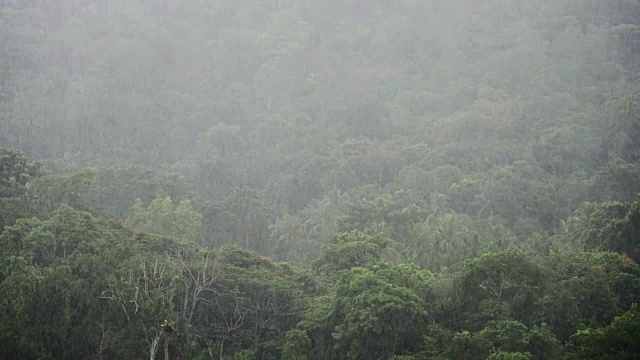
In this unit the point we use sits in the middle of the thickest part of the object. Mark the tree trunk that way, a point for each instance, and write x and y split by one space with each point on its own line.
154 347
166 346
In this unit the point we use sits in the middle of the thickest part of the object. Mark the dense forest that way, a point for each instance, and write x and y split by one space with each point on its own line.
310 180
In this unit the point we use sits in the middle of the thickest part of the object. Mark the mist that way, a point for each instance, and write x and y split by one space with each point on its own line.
274 172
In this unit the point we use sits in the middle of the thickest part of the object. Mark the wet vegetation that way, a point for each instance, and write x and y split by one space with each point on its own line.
339 179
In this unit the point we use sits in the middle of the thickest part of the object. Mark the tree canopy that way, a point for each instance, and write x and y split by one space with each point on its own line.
338 179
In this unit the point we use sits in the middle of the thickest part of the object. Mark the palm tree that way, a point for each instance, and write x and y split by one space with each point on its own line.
288 234
579 227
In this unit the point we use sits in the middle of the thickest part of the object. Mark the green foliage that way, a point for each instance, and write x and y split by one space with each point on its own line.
68 237
106 190
162 217
543 343
352 249
464 345
507 335
498 284
590 289
19 282
373 312
81 277
505 339
349 138
240 217
500 355
65 258
16 175
604 227
233 302
615 341
297 345
247 354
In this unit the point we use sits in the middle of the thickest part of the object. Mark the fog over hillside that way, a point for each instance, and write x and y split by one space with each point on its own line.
297 179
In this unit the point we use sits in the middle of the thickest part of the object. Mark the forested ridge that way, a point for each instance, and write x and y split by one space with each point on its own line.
338 179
